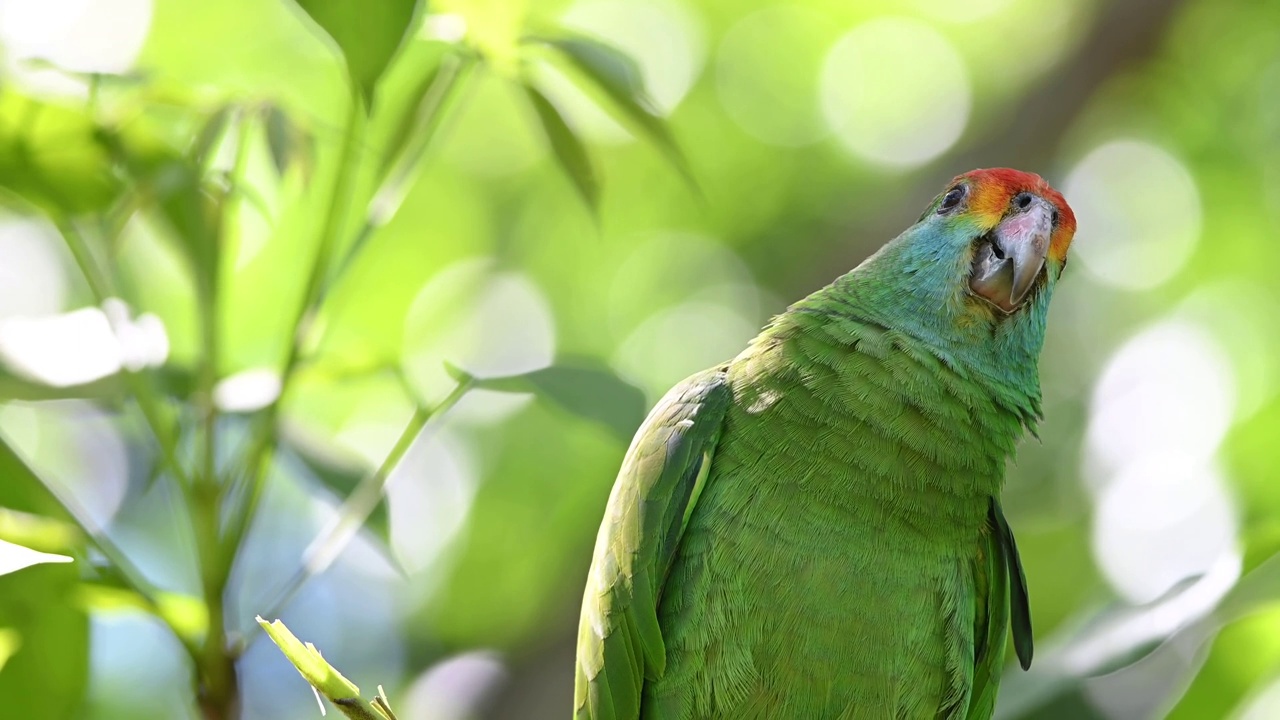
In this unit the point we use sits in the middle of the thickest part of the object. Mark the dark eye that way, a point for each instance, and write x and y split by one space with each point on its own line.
951 199
1055 218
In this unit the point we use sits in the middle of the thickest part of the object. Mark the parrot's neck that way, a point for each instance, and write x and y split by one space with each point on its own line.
917 285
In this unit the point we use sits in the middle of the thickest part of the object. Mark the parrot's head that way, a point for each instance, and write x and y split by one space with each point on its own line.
1013 228
974 275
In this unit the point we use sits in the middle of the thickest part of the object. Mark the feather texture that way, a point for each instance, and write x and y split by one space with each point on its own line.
813 530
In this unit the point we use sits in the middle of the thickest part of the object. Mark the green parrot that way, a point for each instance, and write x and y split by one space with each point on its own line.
813 529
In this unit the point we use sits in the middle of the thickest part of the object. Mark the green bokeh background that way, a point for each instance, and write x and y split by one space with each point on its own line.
1159 119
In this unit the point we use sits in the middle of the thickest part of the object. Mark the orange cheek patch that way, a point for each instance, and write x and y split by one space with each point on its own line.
989 202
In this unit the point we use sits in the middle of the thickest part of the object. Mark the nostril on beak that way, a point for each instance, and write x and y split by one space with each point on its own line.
1023 200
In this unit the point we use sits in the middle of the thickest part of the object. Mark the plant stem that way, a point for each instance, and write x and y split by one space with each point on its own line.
259 456
218 691
320 283
357 507
98 538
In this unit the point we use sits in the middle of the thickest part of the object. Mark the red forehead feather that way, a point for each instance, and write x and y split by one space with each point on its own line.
991 190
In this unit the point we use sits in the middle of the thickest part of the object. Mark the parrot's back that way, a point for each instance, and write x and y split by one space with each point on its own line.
838 562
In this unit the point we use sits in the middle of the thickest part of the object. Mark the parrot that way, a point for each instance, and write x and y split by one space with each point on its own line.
813 529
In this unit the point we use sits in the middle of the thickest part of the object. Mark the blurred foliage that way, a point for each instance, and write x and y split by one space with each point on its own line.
347 314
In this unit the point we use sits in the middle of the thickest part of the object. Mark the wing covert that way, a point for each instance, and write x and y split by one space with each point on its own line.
620 644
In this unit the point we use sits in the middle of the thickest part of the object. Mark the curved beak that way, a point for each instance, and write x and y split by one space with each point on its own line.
1011 257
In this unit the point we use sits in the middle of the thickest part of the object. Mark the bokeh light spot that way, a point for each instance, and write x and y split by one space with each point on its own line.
895 92
429 496
1139 213
672 344
1162 520
455 688
1168 389
662 36
32 281
490 324
86 36
767 72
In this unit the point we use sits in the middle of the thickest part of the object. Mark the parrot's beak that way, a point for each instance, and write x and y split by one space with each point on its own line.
1010 258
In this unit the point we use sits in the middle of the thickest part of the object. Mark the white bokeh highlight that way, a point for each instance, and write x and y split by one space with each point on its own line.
247 390
16 557
1159 412
32 280
1161 520
84 36
896 92
1139 213
1167 390
455 688
83 345
429 495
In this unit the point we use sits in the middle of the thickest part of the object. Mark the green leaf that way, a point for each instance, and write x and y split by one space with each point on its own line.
318 672
367 34
618 77
584 387
50 159
21 490
175 184
211 132
186 615
568 148
46 639
289 143
410 115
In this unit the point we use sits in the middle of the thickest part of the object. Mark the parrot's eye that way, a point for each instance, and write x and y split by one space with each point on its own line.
951 199
1054 218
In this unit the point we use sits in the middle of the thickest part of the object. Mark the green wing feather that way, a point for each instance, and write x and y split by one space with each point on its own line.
1019 603
619 642
1000 574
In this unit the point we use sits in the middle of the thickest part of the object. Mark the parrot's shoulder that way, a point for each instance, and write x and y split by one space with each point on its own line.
620 643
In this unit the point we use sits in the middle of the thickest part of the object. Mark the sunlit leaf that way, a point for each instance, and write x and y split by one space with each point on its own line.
211 133
47 672
585 388
367 34
568 149
49 157
410 118
185 614
619 78
319 673
173 182
290 145
38 532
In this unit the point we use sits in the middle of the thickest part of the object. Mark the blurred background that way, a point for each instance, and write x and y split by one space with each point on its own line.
1147 514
